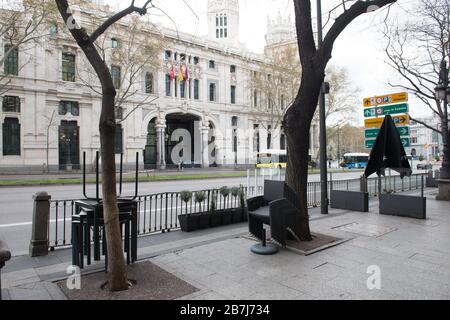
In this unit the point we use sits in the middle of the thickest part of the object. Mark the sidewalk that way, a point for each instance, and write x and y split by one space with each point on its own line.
413 257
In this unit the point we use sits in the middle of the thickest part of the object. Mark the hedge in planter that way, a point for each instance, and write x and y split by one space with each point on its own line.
204 218
236 213
226 214
188 222
244 210
216 218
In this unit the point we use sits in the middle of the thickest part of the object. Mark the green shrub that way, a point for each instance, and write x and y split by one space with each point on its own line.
242 197
224 191
212 206
235 191
199 196
421 158
437 158
186 196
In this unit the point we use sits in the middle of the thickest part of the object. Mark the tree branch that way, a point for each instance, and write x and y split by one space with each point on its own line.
357 9
119 15
425 125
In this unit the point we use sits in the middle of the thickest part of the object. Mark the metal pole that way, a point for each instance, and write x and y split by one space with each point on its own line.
323 134
421 189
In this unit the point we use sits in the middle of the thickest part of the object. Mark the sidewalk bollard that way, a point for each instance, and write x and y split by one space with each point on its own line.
39 230
5 255
421 189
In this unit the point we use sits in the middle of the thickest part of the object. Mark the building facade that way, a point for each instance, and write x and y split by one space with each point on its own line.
425 142
192 105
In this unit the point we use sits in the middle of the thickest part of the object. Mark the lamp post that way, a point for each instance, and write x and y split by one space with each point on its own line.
323 134
442 92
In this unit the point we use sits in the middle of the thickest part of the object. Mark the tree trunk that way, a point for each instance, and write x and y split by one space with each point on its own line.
117 268
297 125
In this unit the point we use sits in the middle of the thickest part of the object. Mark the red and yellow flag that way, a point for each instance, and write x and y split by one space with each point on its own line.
172 74
180 74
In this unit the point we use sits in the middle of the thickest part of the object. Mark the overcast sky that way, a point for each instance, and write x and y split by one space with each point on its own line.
359 48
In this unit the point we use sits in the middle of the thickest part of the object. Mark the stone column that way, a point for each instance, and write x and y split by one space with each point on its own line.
204 131
39 230
160 149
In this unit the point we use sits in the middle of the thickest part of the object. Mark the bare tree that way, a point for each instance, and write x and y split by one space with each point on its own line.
50 122
117 268
344 138
415 50
342 100
297 120
22 23
276 84
135 48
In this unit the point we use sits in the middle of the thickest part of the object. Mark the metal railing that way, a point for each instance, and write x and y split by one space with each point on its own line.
159 212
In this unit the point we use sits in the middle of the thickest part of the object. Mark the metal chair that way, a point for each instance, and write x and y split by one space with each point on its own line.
5 255
277 208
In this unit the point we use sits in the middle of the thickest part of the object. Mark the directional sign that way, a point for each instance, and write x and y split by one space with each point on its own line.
386 99
372 133
369 144
400 120
405 142
385 110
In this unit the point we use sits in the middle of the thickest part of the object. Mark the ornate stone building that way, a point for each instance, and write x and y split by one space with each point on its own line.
198 108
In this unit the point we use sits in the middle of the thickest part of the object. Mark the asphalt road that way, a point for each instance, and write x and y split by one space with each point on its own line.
16 204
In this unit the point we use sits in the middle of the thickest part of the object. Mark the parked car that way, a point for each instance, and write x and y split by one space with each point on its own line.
424 166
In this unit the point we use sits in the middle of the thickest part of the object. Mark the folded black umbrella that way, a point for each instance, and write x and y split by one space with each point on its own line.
388 152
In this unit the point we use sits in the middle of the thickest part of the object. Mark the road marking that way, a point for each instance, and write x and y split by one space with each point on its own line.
20 224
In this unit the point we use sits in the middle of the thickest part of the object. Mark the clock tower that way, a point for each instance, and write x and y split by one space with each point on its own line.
223 21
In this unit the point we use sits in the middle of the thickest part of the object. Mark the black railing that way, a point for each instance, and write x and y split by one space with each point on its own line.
159 212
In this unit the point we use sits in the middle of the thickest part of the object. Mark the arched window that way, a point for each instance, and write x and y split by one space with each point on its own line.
269 137
114 43
149 82
11 137
283 142
212 92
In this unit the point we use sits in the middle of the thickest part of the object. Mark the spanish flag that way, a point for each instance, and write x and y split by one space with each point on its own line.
180 74
172 74
186 77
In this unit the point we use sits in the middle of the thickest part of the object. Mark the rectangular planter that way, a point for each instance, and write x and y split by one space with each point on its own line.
226 216
403 206
244 214
188 222
204 220
350 200
216 219
236 215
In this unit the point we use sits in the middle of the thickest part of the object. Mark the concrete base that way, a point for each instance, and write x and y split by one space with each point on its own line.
444 190
268 249
38 248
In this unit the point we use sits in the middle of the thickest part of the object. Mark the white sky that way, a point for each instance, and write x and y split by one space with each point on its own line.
359 48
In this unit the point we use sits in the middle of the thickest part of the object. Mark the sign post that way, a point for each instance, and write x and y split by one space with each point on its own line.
375 108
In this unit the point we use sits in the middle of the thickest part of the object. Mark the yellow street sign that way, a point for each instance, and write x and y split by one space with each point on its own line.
400 120
386 99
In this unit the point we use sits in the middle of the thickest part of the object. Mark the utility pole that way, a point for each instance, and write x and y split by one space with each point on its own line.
323 128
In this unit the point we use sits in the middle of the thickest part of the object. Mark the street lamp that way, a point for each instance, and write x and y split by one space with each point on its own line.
323 129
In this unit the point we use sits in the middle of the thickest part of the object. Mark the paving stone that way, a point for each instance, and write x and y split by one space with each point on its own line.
13 279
